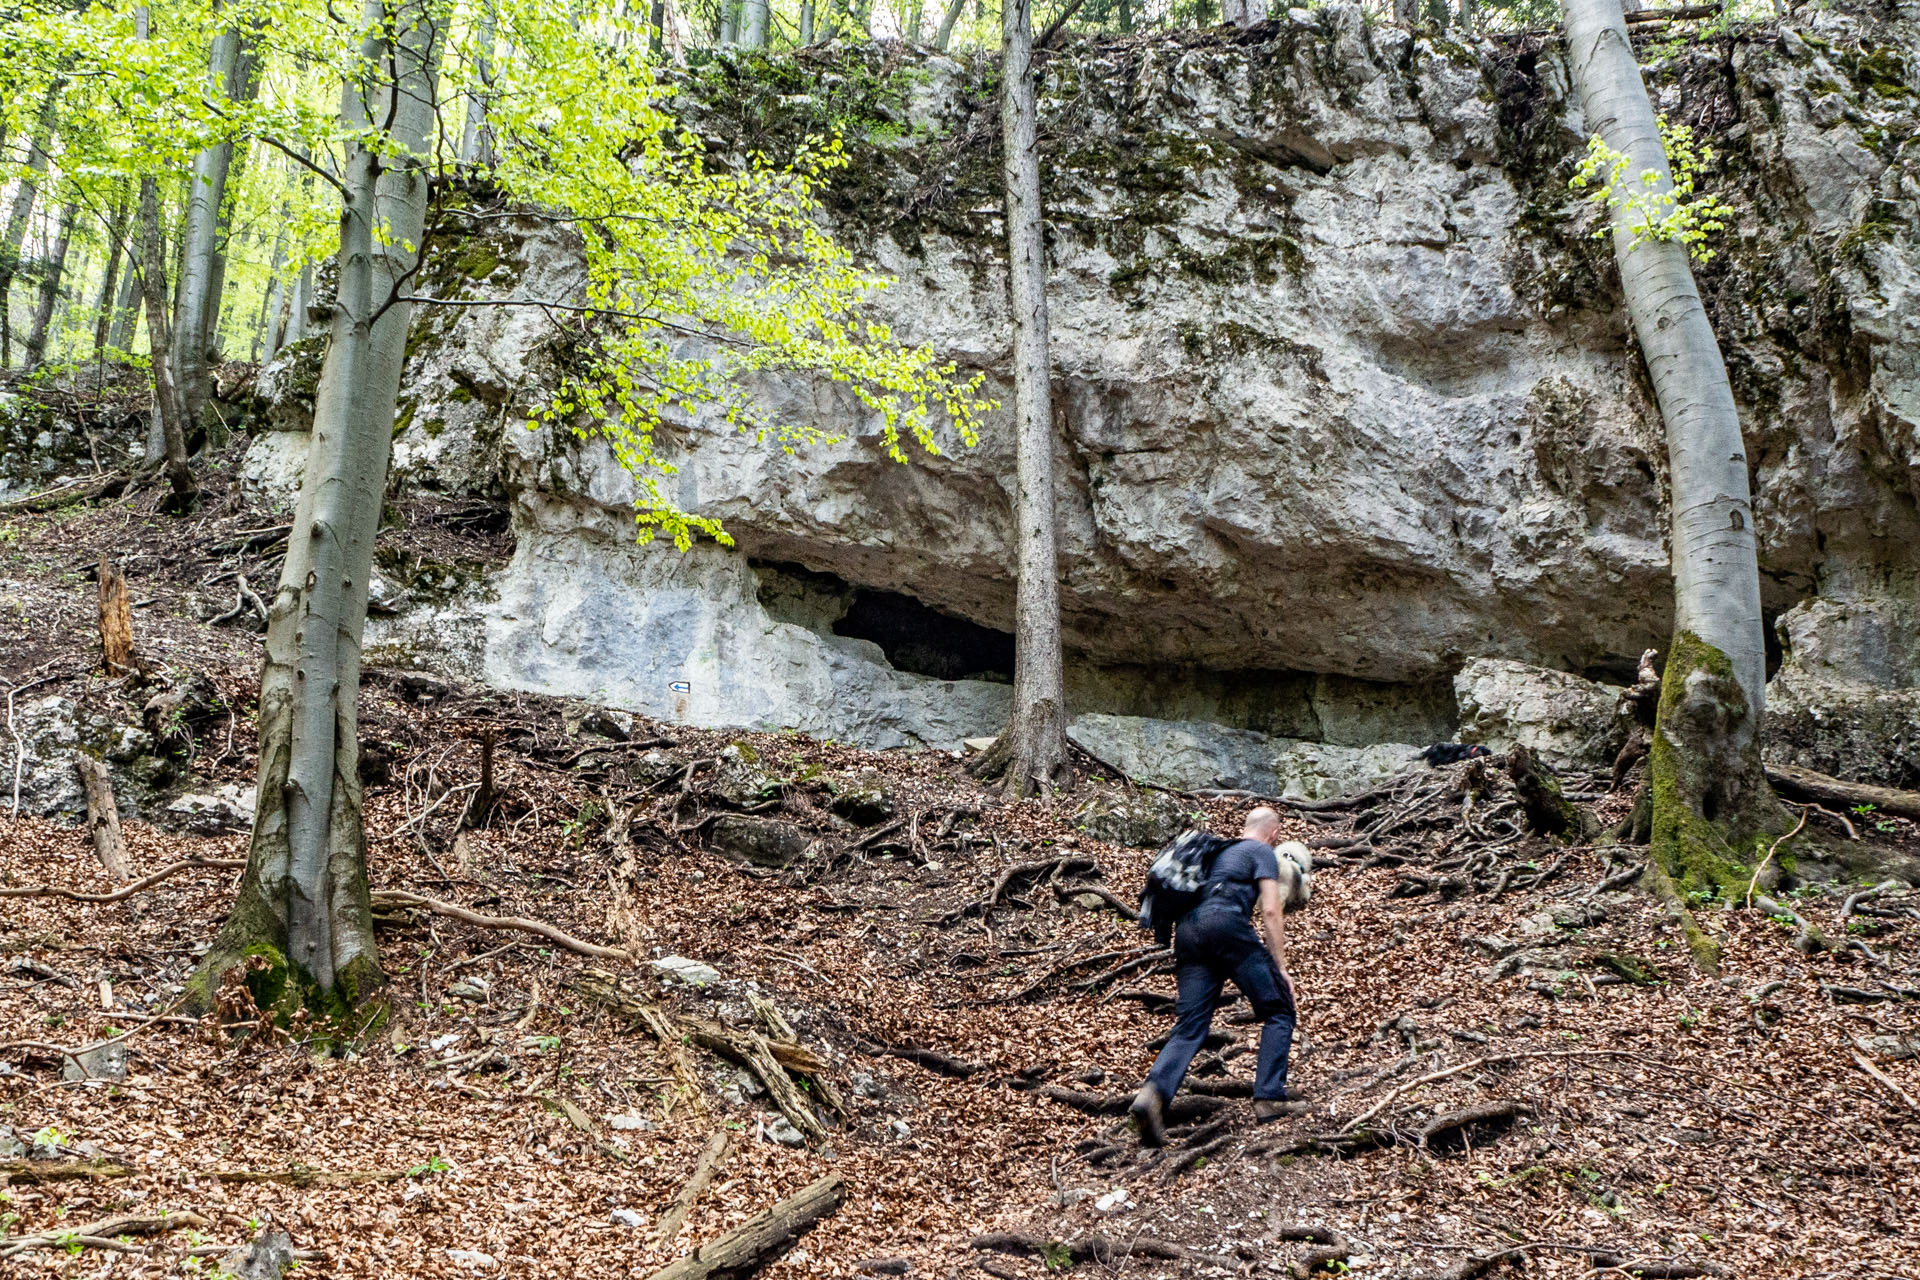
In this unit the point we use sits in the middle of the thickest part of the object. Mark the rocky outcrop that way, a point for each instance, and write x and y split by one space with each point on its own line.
1345 394
1568 722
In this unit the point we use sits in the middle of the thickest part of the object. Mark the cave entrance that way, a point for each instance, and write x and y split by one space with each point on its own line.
921 639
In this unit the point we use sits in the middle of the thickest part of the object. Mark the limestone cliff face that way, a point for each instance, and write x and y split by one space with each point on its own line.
1343 388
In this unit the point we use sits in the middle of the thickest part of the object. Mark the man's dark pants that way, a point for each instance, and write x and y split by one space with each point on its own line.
1208 948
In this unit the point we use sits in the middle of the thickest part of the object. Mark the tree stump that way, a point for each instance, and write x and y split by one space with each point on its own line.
116 620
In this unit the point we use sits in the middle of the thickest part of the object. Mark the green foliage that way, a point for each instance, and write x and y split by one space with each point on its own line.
1657 208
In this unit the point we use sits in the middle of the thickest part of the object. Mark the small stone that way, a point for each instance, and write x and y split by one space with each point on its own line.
764 842
267 1258
782 1131
629 1121
473 1258
627 1218
108 1062
680 969
1115 1201
468 991
864 803
900 1129
977 744
606 722
228 808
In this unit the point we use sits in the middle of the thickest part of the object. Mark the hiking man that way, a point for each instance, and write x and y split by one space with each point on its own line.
1215 941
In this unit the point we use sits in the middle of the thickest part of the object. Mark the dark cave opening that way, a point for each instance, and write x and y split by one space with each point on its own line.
925 641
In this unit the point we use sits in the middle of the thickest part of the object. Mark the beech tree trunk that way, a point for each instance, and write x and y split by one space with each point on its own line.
267 330
168 406
21 214
303 917
1712 806
476 138
944 35
231 73
126 307
753 24
1032 749
56 266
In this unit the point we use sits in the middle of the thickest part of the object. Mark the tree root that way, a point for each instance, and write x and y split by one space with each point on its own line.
940 1064
560 938
1096 1248
126 891
103 1233
1183 1108
1460 1122
26 1173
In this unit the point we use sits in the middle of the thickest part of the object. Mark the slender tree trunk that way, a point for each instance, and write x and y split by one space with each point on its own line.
126 308
916 14
298 325
724 33
168 406
22 214
56 266
753 24
266 329
1711 801
1032 750
476 138
657 22
1126 16
806 22
944 35
232 74
303 904
116 249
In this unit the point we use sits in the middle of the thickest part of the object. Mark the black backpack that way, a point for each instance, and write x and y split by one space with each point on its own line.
1177 880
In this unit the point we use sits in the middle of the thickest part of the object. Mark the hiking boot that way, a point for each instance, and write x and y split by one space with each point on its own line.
1267 1110
1149 1112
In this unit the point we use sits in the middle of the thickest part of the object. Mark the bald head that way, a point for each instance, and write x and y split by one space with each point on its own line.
1263 824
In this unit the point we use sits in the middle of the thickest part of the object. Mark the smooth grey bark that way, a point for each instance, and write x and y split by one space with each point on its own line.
1715 552
1243 13
299 324
126 307
53 270
231 74
21 215
806 21
169 408
267 328
916 15
1711 805
1032 750
753 24
724 33
944 35
476 137
104 314
304 896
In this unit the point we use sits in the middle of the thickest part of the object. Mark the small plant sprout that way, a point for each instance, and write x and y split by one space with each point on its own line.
1677 213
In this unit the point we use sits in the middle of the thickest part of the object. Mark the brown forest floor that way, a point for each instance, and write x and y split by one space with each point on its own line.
1692 1122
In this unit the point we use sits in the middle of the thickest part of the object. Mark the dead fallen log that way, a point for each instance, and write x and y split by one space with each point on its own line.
108 485
761 1238
300 1175
1796 783
676 1217
27 1173
401 898
103 817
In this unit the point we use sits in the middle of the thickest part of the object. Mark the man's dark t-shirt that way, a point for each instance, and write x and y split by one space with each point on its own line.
1233 886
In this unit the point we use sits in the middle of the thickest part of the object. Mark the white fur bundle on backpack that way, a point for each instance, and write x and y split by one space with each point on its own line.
1296 874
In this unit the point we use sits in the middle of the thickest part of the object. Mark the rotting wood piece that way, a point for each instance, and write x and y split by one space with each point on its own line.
1796 783
116 620
103 817
24 1172
676 1217
760 1238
